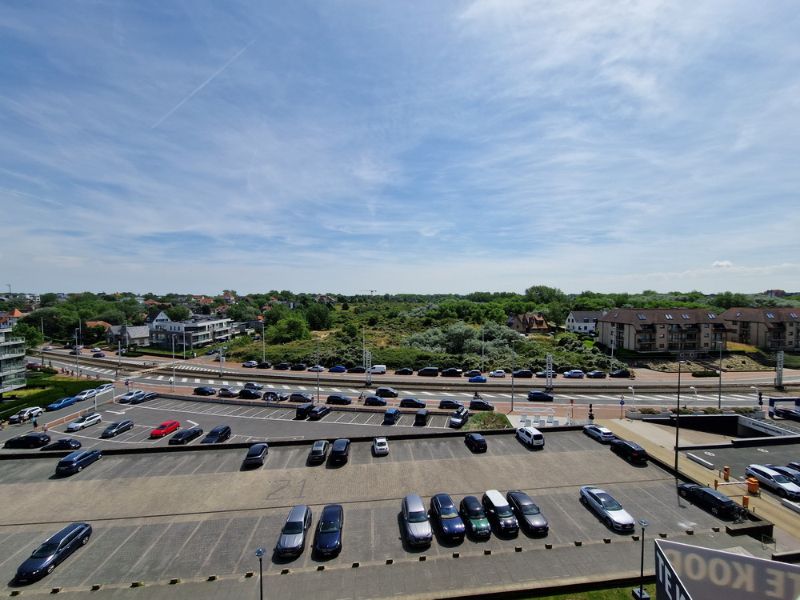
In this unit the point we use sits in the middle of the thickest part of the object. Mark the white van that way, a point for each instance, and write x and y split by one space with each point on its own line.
530 436
378 369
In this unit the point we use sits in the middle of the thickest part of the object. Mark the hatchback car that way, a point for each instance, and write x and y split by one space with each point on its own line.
475 442
218 435
338 369
338 399
480 405
292 539
380 446
185 436
445 515
53 552
316 369
539 396
391 416
34 439
421 418
500 514
374 401
26 414
114 429
412 403
416 526
477 379
774 481
574 374
74 462
474 517
165 428
472 373
129 397
607 509
317 412
328 537
273 396
448 404
458 418
497 373
249 394
300 397
601 434
98 354
319 452
715 502
62 444
256 455
204 390
252 385
404 371
85 395
104 388
61 403
340 451
630 451
596 374
528 514
85 421
228 392
386 392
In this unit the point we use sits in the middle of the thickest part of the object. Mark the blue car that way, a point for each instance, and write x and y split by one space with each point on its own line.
52 552
445 514
61 403
338 369
477 379
328 539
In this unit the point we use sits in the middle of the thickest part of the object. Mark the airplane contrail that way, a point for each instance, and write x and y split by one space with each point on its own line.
202 85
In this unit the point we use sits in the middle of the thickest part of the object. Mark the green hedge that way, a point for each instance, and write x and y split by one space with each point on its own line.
51 390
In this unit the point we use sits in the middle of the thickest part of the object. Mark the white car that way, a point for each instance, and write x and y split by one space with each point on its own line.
601 434
250 364
96 350
85 395
380 446
84 422
26 414
607 509
497 373
129 397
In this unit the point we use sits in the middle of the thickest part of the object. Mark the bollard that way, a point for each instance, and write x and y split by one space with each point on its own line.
55 590
456 554
487 552
578 543
716 484
548 546
320 567
285 571
690 532
746 501
137 584
423 558
517 548
249 574
726 473
752 486
606 540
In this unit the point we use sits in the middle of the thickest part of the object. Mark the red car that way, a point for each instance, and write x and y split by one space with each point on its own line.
165 428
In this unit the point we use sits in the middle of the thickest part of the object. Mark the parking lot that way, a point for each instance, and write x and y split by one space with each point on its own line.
194 514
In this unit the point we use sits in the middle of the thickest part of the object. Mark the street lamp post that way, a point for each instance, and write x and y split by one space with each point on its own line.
719 386
633 396
260 555
678 417
172 380
77 352
513 368
263 345
640 594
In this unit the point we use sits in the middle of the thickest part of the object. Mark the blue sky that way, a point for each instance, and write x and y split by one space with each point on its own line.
399 146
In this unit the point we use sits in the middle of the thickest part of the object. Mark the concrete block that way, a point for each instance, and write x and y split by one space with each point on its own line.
389 561
211 578
249 574
662 535
285 571
174 580
578 543
320 567
423 558
517 548
606 540
548 546
690 532
96 587
356 565
487 552
55 590
137 584
456 554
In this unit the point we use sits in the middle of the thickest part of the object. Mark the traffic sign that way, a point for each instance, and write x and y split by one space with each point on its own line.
622 402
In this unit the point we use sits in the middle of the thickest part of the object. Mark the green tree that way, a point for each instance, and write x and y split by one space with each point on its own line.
318 316
293 327
33 335
178 313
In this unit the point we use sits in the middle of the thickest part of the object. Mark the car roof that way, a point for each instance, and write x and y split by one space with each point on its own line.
60 535
414 503
496 497
444 499
340 443
297 513
521 496
475 436
331 511
219 429
471 502
319 443
380 439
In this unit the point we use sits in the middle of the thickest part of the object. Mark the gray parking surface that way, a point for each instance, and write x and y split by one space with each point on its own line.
213 515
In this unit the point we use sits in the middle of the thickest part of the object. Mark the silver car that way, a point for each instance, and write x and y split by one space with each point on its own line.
85 394
292 540
609 511
776 482
416 526
84 421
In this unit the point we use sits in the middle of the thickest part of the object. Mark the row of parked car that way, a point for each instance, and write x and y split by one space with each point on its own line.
31 412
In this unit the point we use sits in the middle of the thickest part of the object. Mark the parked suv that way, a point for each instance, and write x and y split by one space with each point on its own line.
340 451
217 435
458 418
499 513
715 502
428 372
630 451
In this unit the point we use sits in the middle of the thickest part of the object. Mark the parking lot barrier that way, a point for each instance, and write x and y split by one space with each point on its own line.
320 567
355 565
517 548
249 574
137 584
389 561
16 593
285 571
456 554
95 587
578 543
606 540
211 578
487 552
635 537
174 580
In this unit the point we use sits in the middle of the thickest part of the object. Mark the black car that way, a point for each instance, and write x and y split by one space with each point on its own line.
62 444
249 394
74 462
620 373
528 514
328 537
448 404
284 366
184 436
252 385
338 399
428 372
480 405
298 367
273 396
32 439
475 442
53 552
356 370
539 396
144 397
227 392
472 373
340 451
475 521
318 412
421 418
219 434
543 374
717 503
204 390
411 403
386 392
319 452
300 397
596 374
374 401
451 372
256 455
264 364
630 451
404 371
445 516
116 428
522 374
303 410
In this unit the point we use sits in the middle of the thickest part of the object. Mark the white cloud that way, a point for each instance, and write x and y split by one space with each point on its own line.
722 264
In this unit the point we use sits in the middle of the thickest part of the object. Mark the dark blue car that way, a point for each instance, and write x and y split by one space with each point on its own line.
328 538
61 403
445 515
52 552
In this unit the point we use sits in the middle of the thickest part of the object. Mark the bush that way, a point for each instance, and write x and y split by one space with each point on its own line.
712 410
647 410
487 420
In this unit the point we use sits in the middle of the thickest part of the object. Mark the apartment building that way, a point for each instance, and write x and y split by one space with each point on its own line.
12 361
767 328
686 331
198 331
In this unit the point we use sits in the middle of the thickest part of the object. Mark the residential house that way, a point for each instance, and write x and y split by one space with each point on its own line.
767 328
200 330
685 331
583 321
12 361
128 335
529 323
11 317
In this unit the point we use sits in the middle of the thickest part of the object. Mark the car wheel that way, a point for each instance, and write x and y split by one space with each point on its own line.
782 493
50 568
607 522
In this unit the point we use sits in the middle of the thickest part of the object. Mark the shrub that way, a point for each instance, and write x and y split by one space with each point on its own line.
648 410
487 420
712 410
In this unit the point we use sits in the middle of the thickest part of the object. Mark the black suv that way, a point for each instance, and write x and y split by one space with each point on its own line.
386 392
522 374
428 372
451 372
475 442
480 405
411 403
717 503
630 451
338 399
340 451
217 435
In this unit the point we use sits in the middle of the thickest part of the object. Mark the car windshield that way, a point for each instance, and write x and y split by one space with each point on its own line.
293 527
329 526
608 502
45 550
504 511
530 509
449 512
418 516
255 451
318 447
476 512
